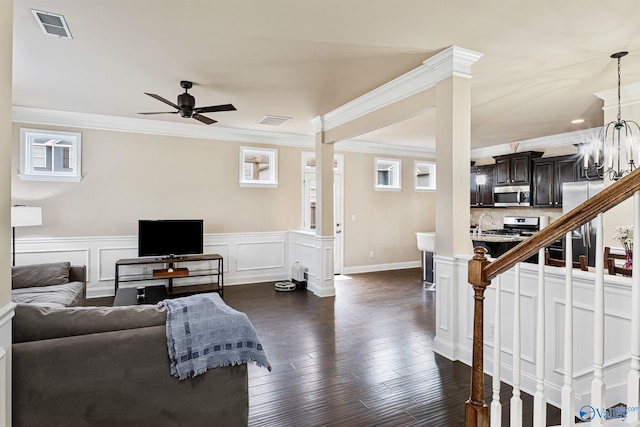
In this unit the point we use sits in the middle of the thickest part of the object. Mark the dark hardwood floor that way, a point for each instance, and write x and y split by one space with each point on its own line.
361 358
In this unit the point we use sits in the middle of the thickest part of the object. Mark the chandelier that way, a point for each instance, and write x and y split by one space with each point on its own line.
615 151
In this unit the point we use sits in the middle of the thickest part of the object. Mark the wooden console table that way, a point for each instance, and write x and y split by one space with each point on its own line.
169 270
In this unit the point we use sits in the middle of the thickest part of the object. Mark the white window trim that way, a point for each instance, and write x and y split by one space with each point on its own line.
273 181
417 187
26 171
398 175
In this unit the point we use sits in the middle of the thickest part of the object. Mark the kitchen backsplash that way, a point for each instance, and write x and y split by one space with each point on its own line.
498 213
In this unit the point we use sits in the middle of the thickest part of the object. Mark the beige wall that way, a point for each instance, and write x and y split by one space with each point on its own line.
385 220
128 176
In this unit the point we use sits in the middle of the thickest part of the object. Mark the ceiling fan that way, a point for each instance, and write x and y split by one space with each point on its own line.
186 106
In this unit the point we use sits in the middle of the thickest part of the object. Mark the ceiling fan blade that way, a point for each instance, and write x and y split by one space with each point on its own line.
204 119
162 112
215 108
161 99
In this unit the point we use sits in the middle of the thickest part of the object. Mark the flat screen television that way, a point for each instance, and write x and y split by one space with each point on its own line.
165 237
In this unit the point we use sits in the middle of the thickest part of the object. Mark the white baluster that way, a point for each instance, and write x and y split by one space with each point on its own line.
496 406
568 393
633 378
598 386
515 405
539 398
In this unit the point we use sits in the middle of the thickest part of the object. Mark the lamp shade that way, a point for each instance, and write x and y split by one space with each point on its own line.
24 216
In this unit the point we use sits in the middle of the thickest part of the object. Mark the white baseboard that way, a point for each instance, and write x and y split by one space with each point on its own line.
445 349
381 267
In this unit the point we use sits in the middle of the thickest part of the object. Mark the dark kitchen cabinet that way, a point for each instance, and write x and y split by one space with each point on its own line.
548 176
473 187
513 169
482 192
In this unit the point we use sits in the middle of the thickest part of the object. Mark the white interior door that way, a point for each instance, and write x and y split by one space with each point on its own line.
338 214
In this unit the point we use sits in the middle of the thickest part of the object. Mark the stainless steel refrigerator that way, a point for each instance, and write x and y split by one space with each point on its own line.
583 238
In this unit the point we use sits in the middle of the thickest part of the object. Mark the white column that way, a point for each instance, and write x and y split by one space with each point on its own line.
568 394
516 400
453 156
325 229
539 398
453 136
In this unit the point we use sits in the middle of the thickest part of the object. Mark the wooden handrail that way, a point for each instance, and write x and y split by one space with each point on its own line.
481 271
601 202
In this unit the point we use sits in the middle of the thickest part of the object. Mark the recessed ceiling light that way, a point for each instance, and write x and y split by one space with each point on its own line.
576 121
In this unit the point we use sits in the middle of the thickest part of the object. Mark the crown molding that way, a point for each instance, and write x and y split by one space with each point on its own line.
538 144
453 61
318 124
155 127
44 117
629 94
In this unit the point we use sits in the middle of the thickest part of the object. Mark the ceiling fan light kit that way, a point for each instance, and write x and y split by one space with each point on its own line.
186 106
617 143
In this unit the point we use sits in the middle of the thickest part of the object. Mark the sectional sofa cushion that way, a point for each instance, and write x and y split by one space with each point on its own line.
66 295
33 322
38 275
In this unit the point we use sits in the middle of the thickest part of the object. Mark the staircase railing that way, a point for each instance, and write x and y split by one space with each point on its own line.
481 272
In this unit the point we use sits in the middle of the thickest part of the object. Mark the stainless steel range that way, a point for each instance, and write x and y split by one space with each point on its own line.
517 226
515 230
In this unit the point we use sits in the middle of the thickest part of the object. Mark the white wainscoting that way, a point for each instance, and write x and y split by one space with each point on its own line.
456 303
316 254
6 314
248 257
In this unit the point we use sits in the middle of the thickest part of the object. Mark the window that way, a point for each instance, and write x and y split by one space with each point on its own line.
425 176
50 155
387 174
258 167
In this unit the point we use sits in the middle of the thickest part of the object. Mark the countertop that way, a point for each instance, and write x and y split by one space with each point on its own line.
497 238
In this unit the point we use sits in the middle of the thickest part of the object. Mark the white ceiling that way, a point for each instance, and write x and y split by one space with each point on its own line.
542 62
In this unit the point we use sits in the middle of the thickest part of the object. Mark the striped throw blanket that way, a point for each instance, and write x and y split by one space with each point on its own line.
203 332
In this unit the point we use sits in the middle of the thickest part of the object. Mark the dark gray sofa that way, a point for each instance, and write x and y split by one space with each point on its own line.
109 366
56 284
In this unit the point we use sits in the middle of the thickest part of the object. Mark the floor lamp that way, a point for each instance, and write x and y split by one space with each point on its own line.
23 216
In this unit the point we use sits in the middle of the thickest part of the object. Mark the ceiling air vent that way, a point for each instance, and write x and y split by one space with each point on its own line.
273 120
52 24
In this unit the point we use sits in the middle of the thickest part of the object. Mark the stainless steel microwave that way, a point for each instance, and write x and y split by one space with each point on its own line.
513 195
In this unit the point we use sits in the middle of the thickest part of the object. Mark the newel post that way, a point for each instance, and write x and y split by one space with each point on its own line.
476 410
